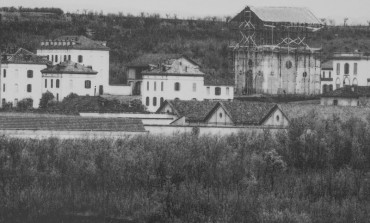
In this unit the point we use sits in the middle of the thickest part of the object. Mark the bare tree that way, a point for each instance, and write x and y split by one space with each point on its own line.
345 21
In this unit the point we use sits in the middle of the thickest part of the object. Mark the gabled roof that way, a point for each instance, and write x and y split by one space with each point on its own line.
218 81
193 111
74 42
155 59
69 123
69 67
23 56
349 92
283 15
246 113
328 65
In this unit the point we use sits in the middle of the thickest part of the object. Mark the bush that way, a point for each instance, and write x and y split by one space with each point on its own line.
46 98
25 104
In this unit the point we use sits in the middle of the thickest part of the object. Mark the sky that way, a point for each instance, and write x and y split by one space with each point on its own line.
356 10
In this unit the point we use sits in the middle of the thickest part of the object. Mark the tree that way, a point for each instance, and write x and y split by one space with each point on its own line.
46 98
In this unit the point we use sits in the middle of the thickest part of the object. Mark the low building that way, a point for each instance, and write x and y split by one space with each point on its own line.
327 76
160 77
21 77
347 96
69 77
224 113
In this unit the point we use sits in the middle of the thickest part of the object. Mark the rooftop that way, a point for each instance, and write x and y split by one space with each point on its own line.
328 65
218 81
152 59
349 92
68 67
282 15
247 113
69 123
23 56
74 42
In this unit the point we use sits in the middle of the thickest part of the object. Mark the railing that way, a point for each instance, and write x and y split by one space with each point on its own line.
326 79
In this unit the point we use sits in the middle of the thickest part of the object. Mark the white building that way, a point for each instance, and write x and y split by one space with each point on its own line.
160 77
82 50
21 77
327 77
349 69
69 77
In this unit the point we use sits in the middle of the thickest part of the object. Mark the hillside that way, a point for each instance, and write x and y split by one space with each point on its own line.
128 37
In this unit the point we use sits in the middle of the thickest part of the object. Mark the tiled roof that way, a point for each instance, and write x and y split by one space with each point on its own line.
247 113
349 92
69 67
328 65
283 15
194 111
76 42
154 59
23 56
218 81
70 123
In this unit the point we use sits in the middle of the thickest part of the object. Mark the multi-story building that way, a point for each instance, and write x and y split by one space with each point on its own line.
82 50
160 77
327 76
21 77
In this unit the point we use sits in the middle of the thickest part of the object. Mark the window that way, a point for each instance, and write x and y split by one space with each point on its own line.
48 57
305 74
155 85
51 83
217 91
337 83
335 102
346 68
354 82
330 87
4 73
324 88
277 118
329 74
52 58
355 68
30 74
338 68
154 101
162 87
161 101
250 63
220 114
288 64
46 83
80 59
69 57
29 88
3 87
194 87
56 58
57 97
208 90
323 74
87 84
346 81
147 102
57 83
147 86
186 69
3 101
177 86
65 57
227 91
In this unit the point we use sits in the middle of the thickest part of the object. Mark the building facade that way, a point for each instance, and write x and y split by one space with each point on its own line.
21 77
327 77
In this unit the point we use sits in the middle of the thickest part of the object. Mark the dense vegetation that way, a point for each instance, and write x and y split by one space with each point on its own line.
206 40
317 171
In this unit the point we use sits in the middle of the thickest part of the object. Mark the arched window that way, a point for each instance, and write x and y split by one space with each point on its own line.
147 86
155 85
161 101
3 87
288 64
217 91
177 86
162 87
51 83
87 84
30 74
355 68
57 97
147 102
338 68
330 87
208 90
346 81
324 88
52 58
46 83
337 83
80 58
154 101
4 73
227 91
29 88
57 83
65 57
56 58
354 82
346 68
194 87
69 57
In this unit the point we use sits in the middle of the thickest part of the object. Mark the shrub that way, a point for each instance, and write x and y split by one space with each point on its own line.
45 99
25 104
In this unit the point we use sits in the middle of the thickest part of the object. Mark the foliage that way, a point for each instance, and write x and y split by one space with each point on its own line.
46 99
25 104
317 171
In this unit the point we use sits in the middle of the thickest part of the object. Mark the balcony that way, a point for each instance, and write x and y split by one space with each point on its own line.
327 79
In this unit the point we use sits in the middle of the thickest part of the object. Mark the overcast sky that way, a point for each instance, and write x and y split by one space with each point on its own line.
355 10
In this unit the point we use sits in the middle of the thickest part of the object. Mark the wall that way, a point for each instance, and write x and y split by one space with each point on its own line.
341 101
118 90
98 59
16 82
42 134
208 130
219 117
277 118
227 93
150 119
362 76
266 72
